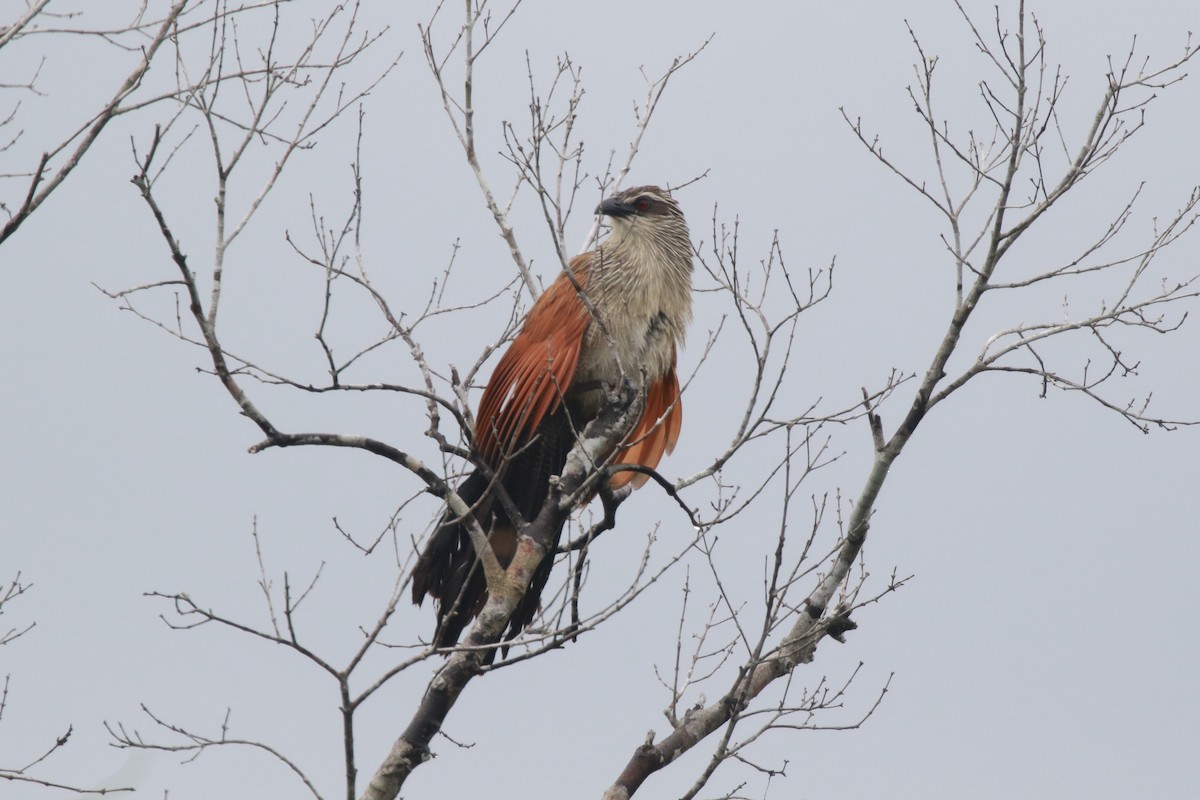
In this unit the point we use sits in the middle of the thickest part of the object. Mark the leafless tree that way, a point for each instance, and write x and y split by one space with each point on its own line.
29 770
38 155
55 158
989 190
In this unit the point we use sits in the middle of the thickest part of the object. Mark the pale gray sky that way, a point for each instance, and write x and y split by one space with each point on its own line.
1047 645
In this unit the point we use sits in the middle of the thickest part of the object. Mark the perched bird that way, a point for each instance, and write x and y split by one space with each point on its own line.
635 308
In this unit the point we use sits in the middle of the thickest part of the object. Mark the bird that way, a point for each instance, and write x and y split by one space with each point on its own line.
620 311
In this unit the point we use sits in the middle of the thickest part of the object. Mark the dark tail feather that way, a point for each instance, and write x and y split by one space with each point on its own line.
556 437
448 569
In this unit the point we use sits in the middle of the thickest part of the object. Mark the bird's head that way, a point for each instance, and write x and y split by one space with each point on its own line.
644 211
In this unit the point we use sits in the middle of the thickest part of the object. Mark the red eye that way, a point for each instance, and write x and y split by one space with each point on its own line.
642 204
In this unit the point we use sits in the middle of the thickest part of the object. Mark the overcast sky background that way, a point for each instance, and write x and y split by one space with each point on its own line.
1047 646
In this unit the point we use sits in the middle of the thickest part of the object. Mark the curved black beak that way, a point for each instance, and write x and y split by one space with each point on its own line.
612 207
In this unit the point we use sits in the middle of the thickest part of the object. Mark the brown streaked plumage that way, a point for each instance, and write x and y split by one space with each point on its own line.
550 383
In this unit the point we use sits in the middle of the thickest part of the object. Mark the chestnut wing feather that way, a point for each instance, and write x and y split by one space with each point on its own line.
656 433
534 373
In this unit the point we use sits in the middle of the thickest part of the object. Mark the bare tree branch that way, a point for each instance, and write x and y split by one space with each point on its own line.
41 186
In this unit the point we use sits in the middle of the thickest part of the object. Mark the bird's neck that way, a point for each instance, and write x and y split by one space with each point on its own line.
641 286
639 271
